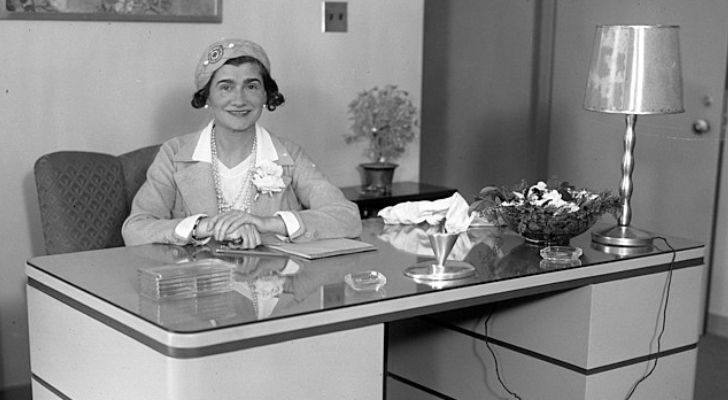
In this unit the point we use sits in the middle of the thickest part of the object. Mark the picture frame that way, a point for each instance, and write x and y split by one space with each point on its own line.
114 10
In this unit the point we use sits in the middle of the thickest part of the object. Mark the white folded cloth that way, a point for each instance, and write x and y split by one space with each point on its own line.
453 210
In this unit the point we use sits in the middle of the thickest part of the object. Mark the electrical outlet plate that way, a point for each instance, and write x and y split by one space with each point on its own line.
335 17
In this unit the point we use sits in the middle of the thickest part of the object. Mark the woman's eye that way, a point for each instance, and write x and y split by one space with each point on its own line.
253 86
226 88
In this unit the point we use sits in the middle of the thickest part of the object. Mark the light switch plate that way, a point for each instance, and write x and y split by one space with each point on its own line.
335 16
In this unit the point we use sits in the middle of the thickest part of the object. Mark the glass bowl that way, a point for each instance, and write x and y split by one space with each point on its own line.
541 228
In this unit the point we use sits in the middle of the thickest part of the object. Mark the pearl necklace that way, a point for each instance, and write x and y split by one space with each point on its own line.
243 194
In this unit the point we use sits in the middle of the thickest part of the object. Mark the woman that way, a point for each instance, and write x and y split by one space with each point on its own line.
234 181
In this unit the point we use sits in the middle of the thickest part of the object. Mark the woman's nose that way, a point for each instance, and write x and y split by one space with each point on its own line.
239 96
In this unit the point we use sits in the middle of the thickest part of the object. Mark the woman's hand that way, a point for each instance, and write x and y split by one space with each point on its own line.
246 237
233 226
231 223
228 225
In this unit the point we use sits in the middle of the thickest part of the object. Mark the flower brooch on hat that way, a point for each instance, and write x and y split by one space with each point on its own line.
215 54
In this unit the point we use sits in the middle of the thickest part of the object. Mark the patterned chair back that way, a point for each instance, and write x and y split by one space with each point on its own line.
84 197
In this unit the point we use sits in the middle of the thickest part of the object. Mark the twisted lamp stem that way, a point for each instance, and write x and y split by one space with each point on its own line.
625 188
623 234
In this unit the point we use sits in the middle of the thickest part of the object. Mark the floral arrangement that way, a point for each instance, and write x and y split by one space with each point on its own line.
268 178
550 212
387 118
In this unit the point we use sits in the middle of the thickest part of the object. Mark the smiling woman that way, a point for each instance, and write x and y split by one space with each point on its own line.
234 181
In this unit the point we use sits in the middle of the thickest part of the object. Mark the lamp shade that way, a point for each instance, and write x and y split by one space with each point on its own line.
635 69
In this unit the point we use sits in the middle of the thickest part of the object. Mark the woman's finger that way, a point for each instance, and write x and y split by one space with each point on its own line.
230 222
222 224
249 235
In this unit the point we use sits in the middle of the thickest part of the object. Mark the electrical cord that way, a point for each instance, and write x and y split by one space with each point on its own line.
495 359
666 295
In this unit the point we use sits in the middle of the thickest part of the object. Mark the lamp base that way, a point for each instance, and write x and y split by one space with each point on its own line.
621 251
429 271
620 235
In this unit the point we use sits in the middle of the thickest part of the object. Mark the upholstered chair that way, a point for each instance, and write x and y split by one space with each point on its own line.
84 197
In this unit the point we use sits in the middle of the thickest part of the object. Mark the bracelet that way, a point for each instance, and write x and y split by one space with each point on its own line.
194 228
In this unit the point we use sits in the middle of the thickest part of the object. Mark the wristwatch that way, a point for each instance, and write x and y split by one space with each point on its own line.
194 229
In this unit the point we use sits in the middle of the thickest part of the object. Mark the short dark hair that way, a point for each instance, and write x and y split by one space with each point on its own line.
274 98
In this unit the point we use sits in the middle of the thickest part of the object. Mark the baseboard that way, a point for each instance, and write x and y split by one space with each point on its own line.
21 392
718 325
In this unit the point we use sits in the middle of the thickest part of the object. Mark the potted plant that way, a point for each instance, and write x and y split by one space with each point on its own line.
387 118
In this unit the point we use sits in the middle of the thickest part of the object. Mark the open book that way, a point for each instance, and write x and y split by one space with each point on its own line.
323 248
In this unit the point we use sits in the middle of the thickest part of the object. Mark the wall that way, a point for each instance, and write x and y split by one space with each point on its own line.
113 87
480 79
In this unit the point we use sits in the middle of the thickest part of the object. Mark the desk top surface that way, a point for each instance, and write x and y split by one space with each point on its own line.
504 264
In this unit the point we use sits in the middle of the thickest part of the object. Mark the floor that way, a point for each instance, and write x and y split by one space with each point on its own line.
711 382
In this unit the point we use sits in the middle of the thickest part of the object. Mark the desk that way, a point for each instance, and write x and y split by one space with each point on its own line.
588 328
370 204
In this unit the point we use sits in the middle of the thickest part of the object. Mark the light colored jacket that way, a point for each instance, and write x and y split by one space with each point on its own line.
178 186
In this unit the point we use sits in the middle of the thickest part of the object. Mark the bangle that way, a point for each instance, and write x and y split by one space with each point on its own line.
194 228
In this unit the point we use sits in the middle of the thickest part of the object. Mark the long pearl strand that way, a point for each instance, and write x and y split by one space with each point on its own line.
223 206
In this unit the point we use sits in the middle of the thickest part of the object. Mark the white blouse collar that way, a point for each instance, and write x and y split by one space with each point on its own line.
265 150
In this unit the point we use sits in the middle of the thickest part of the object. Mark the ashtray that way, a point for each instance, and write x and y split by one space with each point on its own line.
365 281
561 253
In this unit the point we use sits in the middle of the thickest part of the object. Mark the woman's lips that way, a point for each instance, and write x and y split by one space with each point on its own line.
239 113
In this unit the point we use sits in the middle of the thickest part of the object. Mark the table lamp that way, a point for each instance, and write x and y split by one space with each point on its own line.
635 70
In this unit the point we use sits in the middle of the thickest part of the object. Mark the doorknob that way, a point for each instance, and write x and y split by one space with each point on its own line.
701 126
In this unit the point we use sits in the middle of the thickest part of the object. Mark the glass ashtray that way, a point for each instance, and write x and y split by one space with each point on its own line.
561 253
550 265
365 281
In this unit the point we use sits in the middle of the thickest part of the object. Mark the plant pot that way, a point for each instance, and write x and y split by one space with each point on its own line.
377 177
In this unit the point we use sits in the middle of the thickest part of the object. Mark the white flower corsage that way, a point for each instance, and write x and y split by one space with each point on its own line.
268 178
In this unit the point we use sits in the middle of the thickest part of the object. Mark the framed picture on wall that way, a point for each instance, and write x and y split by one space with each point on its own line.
114 10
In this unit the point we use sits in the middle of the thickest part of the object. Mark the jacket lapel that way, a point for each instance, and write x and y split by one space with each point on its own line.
194 181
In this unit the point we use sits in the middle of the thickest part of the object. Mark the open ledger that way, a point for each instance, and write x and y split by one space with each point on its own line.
323 248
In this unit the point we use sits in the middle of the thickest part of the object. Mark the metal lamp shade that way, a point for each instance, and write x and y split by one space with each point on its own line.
635 69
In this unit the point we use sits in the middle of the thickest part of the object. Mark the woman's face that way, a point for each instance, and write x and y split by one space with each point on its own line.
237 97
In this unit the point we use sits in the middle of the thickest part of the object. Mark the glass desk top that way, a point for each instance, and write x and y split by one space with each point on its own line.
274 287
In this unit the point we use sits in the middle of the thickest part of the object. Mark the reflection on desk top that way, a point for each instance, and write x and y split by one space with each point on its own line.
274 287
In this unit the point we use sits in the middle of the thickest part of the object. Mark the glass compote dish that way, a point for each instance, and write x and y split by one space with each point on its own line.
545 213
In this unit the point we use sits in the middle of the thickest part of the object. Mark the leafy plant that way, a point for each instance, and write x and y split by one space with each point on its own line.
387 118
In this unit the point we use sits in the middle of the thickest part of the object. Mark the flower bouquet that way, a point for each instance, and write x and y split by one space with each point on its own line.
545 213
